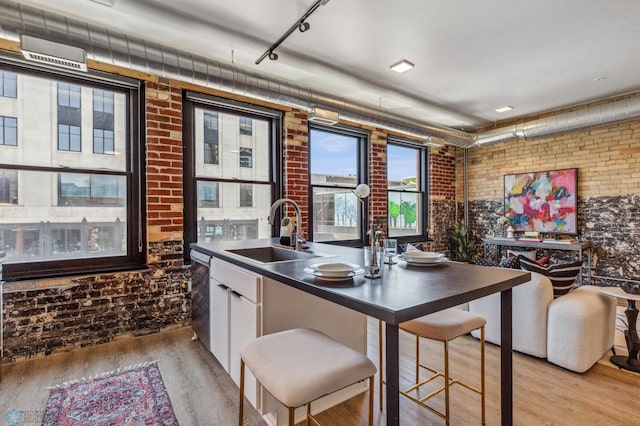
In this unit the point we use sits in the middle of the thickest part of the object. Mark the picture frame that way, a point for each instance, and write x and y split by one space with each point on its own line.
545 202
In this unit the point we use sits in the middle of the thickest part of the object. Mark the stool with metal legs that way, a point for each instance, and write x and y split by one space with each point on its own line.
442 326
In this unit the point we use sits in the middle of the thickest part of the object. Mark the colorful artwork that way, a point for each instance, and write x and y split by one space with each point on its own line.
542 201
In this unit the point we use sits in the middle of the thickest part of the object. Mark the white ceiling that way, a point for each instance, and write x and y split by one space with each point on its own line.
470 57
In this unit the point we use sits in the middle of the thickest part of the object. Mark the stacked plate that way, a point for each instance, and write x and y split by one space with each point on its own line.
334 271
423 258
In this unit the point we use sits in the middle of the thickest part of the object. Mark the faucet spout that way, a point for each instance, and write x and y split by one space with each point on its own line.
272 215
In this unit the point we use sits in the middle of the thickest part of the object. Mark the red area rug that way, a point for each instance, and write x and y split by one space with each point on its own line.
135 396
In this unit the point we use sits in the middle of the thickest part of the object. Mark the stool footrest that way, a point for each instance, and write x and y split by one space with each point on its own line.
422 401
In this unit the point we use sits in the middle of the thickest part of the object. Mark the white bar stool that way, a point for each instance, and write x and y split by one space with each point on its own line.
442 326
300 365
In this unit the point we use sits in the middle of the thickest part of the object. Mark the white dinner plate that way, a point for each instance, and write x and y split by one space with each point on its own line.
422 256
422 259
417 262
323 275
338 270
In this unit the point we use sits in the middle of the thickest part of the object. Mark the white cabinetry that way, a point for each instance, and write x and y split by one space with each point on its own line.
235 318
245 305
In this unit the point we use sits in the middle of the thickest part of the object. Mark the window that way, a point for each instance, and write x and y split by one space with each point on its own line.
69 117
246 157
8 131
69 95
210 137
406 182
229 188
103 142
208 195
8 84
61 213
8 187
246 195
69 138
103 122
246 126
91 190
337 160
103 101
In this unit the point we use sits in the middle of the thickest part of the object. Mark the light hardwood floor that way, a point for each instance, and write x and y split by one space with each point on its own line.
203 394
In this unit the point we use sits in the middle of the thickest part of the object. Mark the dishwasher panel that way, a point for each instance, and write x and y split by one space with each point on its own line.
200 309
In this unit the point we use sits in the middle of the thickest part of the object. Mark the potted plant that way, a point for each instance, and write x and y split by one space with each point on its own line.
463 245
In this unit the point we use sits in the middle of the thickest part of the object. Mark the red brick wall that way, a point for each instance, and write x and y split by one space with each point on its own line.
442 169
165 220
378 179
295 162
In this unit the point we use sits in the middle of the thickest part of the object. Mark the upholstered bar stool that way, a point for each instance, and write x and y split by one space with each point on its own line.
299 366
443 326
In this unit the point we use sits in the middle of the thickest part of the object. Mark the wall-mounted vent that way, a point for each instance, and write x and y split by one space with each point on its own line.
52 53
324 116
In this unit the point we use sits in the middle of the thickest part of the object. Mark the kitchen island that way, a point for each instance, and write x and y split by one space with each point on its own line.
403 293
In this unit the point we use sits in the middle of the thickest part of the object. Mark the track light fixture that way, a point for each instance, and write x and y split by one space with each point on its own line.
300 24
304 26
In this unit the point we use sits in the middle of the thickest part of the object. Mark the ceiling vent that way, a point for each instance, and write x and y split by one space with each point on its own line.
324 116
52 53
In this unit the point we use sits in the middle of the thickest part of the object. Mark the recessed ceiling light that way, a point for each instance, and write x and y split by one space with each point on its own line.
402 66
504 108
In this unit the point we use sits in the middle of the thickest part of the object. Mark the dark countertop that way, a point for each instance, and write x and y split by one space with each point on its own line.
404 292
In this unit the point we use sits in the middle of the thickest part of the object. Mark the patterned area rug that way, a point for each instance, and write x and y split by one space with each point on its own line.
133 396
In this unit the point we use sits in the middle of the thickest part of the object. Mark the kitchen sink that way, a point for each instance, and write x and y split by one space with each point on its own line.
273 254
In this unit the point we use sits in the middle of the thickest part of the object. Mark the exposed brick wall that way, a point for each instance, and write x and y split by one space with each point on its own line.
90 310
296 162
608 163
442 173
378 180
165 219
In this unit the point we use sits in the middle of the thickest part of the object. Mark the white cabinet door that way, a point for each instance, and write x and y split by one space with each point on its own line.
219 317
244 326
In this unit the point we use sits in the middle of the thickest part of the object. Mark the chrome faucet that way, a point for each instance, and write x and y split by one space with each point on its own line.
272 214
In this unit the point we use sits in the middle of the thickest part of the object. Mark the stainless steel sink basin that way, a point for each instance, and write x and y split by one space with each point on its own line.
273 254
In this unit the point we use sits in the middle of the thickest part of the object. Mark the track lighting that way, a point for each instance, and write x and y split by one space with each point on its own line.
300 24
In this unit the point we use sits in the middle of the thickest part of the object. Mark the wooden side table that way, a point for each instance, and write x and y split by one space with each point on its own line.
631 361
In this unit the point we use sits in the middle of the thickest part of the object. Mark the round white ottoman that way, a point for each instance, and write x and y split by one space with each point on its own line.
580 328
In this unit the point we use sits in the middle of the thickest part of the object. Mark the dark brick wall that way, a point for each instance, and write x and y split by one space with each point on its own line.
610 224
91 310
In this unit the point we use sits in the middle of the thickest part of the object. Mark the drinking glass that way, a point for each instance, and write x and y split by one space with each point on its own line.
390 250
372 269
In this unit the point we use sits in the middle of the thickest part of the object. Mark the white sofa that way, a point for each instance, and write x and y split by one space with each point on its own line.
572 331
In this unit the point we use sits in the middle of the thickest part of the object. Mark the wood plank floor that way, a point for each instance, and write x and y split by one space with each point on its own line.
202 393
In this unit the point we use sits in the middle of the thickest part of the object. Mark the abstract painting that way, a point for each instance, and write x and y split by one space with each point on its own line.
542 201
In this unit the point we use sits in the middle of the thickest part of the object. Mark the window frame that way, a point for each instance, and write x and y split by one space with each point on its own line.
3 128
362 155
193 100
4 79
135 257
423 188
